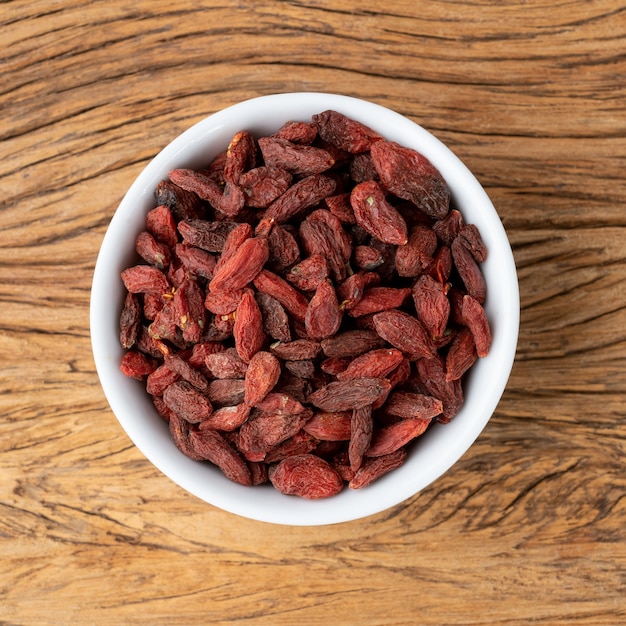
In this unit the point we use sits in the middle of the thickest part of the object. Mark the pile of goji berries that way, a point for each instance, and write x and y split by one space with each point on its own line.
306 306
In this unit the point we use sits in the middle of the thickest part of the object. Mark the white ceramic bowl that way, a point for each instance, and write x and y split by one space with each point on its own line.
435 452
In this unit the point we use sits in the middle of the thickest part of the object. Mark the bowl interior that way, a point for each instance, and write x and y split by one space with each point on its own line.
436 451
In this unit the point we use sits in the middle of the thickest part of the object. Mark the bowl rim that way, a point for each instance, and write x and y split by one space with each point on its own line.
186 150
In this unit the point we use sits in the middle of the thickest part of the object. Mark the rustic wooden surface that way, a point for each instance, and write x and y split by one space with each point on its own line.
530 526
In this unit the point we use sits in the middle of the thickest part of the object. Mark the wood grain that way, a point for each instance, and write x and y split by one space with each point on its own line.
529 527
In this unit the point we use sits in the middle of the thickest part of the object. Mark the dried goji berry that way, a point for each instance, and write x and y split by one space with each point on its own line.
298 159
475 318
185 400
248 328
261 376
374 213
404 332
242 267
323 316
309 273
411 176
307 476
345 133
346 395
374 468
330 426
130 320
361 430
209 445
374 364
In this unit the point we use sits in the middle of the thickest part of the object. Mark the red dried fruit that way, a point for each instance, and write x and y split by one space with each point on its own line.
367 258
373 364
432 376
330 426
164 324
225 392
196 260
297 350
179 365
242 267
391 438
280 403
299 160
307 476
440 267
323 316
362 168
346 395
374 468
361 429
240 156
469 271
228 200
145 279
300 443
335 364
416 255
275 319
411 176
151 251
284 249
300 196
291 299
152 304
408 405
209 445
297 132
160 379
309 273
179 431
183 204
448 227
262 185
341 208
263 431
223 302
470 237
344 133
226 418
322 233
351 343
185 400
374 214
137 365
161 224
189 311
405 333
234 240
226 364
461 354
301 369
353 288
431 304
210 236
130 319
476 320
248 328
261 377
258 472
378 299
201 350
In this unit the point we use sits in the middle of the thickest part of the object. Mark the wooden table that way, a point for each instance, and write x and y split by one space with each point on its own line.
530 525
